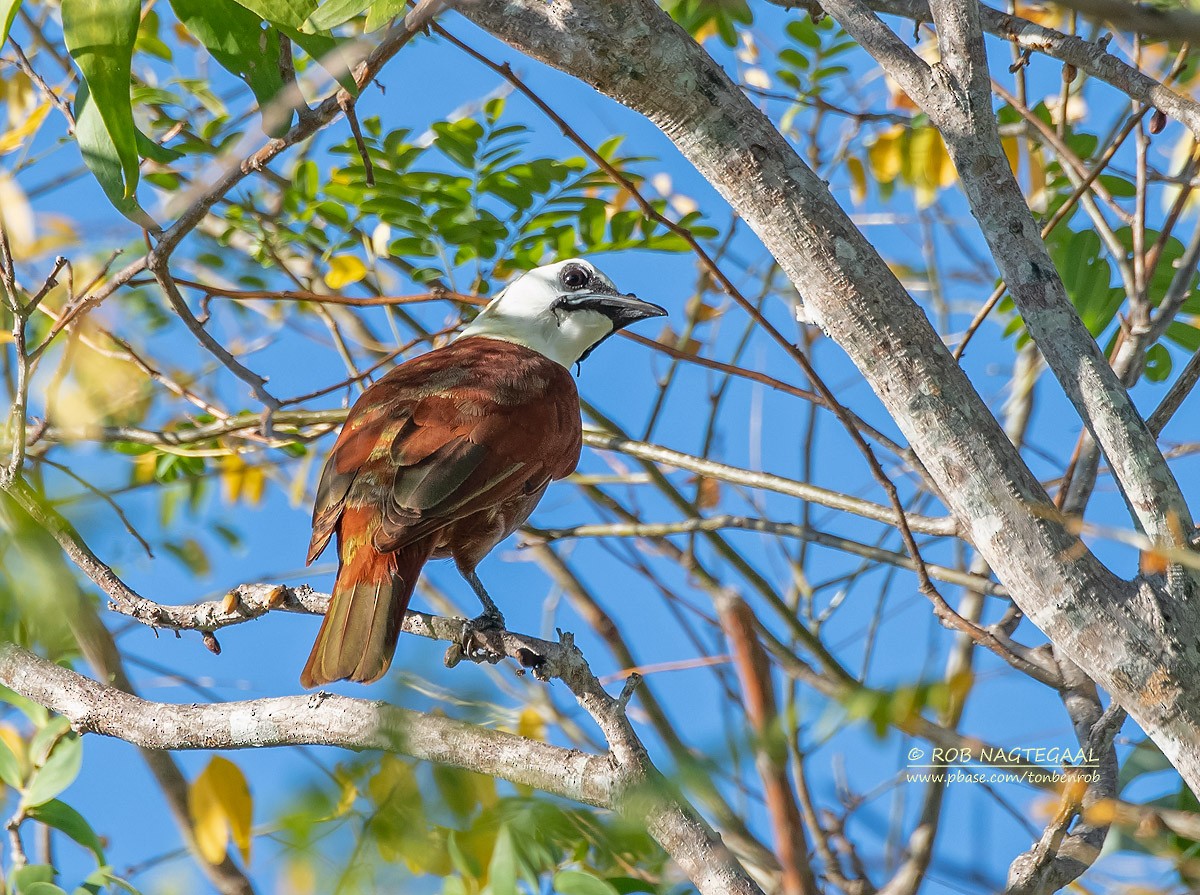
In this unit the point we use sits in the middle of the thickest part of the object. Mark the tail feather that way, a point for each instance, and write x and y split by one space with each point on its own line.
358 636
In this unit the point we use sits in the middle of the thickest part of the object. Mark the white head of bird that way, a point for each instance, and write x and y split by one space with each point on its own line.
561 310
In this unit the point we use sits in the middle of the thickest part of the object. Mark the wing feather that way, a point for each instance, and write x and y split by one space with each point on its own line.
455 431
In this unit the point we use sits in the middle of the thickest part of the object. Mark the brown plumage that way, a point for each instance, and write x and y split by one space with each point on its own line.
449 452
446 455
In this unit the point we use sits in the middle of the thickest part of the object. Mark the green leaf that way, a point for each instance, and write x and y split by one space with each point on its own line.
100 35
502 870
38 714
382 12
63 817
285 13
459 140
10 768
576 882
104 876
47 738
330 52
1146 758
1158 363
332 13
156 152
1185 335
102 158
627 885
1087 276
244 46
8 12
1118 186
41 888
59 771
31 874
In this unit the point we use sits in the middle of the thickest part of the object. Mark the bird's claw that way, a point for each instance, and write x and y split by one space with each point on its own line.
474 642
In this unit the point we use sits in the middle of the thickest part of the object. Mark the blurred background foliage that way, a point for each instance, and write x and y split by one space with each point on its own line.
348 254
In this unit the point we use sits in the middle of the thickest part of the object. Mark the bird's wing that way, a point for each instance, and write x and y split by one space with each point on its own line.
453 432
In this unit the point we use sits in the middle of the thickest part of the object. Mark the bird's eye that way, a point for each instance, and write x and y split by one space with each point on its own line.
574 277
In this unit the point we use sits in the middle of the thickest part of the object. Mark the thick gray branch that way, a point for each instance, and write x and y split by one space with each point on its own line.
1086 56
1161 21
623 780
635 53
958 99
321 719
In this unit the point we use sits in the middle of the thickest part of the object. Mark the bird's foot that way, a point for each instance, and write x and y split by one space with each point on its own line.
478 641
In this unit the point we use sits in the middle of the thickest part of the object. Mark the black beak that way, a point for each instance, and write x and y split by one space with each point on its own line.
622 310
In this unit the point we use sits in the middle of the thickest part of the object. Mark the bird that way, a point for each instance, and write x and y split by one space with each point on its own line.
449 452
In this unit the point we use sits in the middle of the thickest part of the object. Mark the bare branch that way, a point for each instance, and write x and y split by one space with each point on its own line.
321 719
921 524
1164 22
624 780
850 290
804 532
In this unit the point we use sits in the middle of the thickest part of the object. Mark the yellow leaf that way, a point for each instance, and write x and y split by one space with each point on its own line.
705 31
12 738
757 77
233 475
183 35
1047 16
242 480
144 466
947 174
254 480
1012 151
530 724
103 389
1037 181
1102 813
348 796
15 138
671 339
208 822
929 167
16 213
344 270
299 877
858 180
883 154
19 97
220 806
394 780
55 233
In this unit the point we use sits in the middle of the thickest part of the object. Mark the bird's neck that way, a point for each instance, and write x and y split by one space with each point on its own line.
563 342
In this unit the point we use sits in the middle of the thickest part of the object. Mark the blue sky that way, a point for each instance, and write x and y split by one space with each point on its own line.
760 429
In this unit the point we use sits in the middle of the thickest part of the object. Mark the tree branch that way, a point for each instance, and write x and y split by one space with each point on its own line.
625 780
636 54
944 526
321 719
1089 57
1163 22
